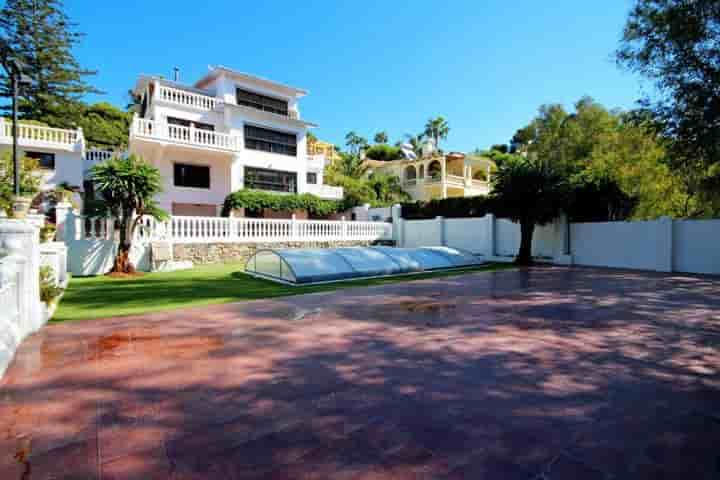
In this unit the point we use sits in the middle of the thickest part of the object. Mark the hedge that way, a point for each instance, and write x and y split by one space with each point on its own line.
383 152
257 200
455 207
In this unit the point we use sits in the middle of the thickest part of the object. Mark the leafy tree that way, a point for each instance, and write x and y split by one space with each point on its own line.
437 129
383 152
355 142
381 137
105 125
29 179
126 188
42 37
674 43
347 165
500 147
529 193
388 189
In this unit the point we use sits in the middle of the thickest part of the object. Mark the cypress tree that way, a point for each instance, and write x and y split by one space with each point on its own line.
42 36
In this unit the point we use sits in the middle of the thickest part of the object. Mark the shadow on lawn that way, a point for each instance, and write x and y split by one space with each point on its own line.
566 373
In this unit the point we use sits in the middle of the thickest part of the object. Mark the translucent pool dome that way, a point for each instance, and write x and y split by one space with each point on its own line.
315 265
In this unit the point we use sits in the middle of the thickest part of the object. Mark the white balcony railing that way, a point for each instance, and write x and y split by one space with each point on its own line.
328 192
181 229
40 136
186 99
184 135
95 155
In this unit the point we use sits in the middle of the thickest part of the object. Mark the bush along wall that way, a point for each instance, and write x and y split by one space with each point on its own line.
456 207
258 200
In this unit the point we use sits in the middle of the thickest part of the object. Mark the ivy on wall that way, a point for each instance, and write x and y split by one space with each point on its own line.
258 200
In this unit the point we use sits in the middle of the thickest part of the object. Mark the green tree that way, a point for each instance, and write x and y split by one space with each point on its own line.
388 189
105 125
383 152
437 129
529 193
381 137
43 37
347 165
674 43
415 141
126 189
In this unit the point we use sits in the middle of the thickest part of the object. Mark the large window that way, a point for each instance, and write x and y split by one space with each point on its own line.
45 160
275 180
257 138
195 176
261 102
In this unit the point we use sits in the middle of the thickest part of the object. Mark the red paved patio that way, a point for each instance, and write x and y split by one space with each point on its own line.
549 374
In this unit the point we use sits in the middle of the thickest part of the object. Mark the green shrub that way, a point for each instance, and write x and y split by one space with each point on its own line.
258 200
455 207
48 290
383 152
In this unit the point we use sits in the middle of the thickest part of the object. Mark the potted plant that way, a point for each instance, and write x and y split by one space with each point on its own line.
47 233
17 206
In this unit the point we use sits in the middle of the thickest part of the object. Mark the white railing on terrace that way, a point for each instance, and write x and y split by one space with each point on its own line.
185 135
37 135
180 229
95 155
186 99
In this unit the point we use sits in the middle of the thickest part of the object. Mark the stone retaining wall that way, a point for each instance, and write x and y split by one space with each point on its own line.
204 253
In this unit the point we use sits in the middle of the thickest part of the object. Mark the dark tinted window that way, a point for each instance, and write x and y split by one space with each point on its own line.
257 138
312 178
187 123
196 176
261 102
275 180
46 160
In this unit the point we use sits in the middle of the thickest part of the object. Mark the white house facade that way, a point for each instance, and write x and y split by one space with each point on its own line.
227 132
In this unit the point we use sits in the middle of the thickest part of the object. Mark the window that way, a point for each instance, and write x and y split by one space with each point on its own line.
257 138
312 178
261 102
195 176
46 160
275 180
187 123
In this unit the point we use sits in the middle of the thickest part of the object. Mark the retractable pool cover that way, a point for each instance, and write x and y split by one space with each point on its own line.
313 265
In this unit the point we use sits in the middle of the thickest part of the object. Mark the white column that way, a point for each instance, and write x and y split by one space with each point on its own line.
443 173
62 211
490 218
664 244
441 230
397 224
294 228
20 240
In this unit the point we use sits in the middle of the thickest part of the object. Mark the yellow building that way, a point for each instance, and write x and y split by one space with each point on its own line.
327 149
440 176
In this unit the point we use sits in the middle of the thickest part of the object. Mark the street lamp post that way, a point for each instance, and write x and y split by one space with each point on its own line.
14 68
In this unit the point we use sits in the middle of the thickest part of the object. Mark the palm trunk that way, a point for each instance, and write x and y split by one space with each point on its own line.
122 259
524 256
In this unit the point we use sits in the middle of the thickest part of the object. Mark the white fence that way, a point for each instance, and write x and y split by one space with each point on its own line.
662 245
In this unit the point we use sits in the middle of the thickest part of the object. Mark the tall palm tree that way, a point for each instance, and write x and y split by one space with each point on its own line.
381 137
355 142
437 129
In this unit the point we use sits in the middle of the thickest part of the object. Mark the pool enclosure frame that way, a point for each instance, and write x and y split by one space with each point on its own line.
318 266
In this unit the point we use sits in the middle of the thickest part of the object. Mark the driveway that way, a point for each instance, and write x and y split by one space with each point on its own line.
550 373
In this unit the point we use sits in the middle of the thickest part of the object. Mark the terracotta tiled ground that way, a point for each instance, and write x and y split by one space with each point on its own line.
551 373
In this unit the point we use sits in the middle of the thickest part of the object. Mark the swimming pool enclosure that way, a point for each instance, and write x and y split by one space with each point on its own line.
314 265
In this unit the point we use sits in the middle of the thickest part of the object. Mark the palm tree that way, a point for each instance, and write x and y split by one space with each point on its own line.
355 142
415 142
437 129
348 165
381 137
529 193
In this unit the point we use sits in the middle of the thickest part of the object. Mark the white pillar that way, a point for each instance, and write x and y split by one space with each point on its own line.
441 229
397 223
562 249
664 244
443 173
293 228
20 241
490 248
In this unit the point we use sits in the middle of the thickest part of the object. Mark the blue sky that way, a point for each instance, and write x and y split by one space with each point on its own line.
375 65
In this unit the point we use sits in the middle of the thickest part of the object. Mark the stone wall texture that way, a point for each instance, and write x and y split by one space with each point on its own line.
204 253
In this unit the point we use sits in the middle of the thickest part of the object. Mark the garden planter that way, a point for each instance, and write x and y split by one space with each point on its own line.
20 207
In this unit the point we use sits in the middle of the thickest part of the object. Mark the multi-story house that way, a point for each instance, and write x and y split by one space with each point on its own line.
434 176
227 131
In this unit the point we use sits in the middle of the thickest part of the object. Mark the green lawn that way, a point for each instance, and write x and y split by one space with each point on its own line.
102 297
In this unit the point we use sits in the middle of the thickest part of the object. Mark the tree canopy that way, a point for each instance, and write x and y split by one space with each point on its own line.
676 45
42 37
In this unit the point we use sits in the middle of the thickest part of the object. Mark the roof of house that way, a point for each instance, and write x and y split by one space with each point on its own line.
218 70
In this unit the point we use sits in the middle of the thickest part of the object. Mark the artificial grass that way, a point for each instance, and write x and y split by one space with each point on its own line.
103 297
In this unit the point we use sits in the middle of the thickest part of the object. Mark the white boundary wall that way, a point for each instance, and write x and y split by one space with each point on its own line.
663 245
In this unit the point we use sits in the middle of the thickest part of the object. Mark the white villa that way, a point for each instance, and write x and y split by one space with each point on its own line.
228 131
434 176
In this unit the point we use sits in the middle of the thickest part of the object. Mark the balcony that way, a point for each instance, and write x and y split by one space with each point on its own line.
176 134
36 136
316 163
327 192
184 98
